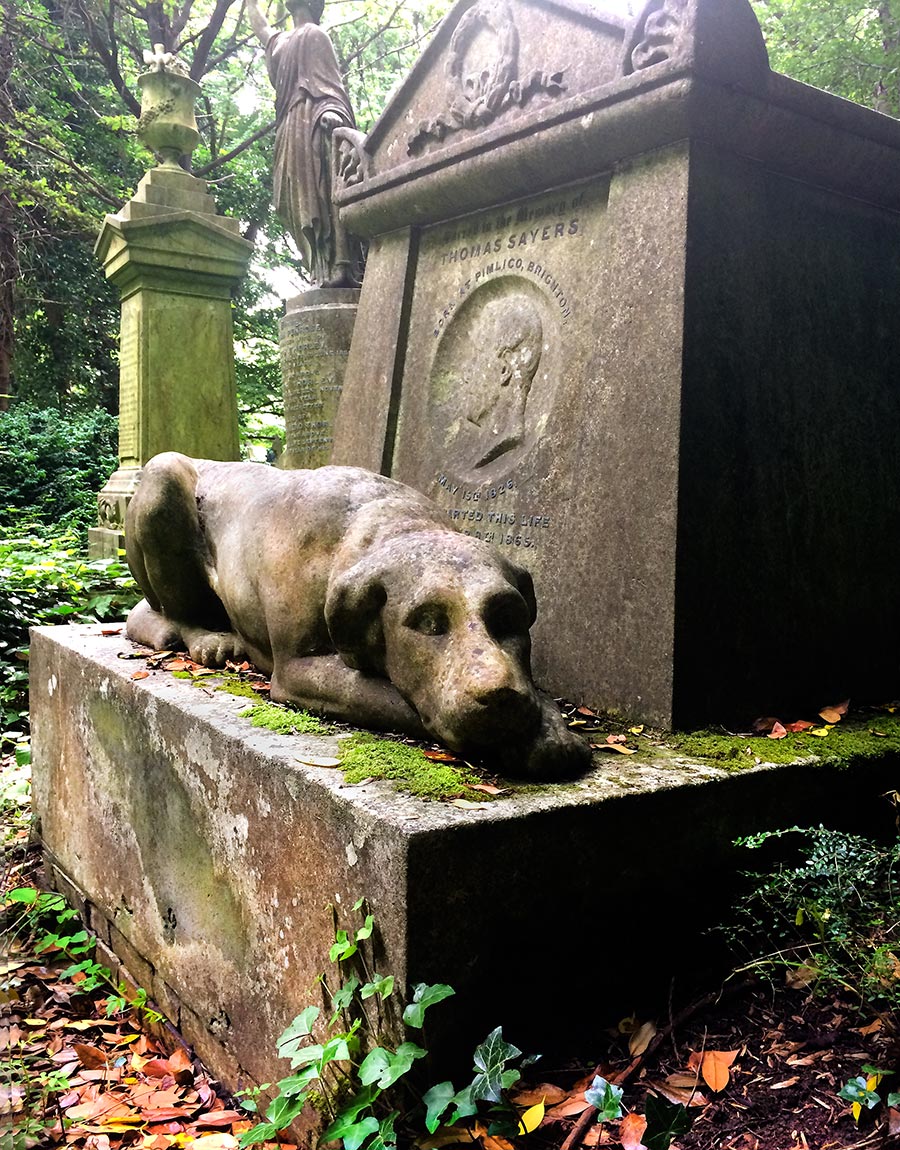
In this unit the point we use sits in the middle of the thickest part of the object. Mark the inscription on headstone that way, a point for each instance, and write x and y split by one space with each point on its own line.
501 317
129 362
314 340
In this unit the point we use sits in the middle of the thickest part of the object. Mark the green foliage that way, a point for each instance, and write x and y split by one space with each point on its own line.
832 910
665 1122
47 581
52 466
44 915
607 1099
361 1078
846 47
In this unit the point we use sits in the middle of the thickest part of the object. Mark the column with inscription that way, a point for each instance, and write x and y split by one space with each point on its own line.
315 339
176 264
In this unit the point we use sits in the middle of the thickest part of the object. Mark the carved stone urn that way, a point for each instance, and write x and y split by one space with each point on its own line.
167 124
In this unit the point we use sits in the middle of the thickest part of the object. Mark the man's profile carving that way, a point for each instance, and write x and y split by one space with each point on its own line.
310 103
502 416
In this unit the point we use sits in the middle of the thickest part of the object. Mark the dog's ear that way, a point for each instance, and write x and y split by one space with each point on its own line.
524 584
353 616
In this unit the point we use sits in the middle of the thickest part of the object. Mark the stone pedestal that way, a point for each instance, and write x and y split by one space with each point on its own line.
315 336
176 264
207 853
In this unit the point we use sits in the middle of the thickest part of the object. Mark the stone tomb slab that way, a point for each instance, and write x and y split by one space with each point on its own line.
207 854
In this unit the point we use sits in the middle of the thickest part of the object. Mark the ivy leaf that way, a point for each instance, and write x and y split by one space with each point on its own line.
342 998
436 1101
347 1115
423 997
376 1063
384 1068
284 1110
354 1136
365 931
606 1097
466 1104
301 1027
386 1138
261 1132
342 948
296 1082
665 1121
382 986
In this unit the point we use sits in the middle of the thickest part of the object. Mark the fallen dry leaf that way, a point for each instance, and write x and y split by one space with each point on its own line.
714 1068
617 738
680 1097
90 1057
893 1121
631 1132
486 788
318 761
799 726
441 756
465 805
872 1028
141 675
641 1039
778 731
544 1092
614 747
785 1083
568 1109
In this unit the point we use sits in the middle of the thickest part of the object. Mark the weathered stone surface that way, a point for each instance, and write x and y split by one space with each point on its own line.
176 264
314 338
355 595
696 242
215 853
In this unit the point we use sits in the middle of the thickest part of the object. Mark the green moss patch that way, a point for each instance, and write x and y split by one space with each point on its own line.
238 687
864 736
284 720
369 757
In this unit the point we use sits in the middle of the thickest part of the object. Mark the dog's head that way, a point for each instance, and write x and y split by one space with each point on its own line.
446 619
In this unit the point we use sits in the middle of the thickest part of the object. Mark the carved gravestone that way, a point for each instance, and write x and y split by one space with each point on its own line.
631 314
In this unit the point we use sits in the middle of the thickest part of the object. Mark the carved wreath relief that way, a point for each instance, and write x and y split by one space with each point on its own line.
483 74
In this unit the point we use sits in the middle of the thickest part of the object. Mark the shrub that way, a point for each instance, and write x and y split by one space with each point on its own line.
830 917
53 465
45 581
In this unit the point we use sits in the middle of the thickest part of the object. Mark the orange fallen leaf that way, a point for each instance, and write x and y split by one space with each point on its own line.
798 726
90 1056
872 1028
141 675
486 788
544 1092
714 1068
893 1121
614 747
441 756
586 711
778 731
218 1118
631 1132
111 631
569 1109
157 1068
616 738
182 1066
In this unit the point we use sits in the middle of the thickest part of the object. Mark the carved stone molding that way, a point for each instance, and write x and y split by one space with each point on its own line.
475 97
657 35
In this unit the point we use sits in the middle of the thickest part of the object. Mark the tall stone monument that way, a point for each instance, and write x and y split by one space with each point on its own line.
176 264
312 111
632 313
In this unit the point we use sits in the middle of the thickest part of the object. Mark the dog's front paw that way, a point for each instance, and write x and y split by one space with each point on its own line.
556 752
216 648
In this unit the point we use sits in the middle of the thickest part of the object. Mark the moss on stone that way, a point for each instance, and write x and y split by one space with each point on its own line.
366 756
863 736
284 720
234 686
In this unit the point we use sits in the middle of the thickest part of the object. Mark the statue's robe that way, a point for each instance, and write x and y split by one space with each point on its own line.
304 72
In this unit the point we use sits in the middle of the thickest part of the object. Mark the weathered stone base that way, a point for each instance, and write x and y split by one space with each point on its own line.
206 855
314 336
108 539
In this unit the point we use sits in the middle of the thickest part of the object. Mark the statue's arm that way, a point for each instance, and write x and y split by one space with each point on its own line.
261 27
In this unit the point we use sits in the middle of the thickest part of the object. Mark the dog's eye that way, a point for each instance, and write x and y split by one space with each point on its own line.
506 616
429 619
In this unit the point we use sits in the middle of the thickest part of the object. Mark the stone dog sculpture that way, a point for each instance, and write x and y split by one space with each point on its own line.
358 598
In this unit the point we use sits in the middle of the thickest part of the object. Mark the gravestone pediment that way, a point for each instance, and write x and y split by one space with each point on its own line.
498 69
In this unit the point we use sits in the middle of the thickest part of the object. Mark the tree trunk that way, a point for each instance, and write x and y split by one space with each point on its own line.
9 264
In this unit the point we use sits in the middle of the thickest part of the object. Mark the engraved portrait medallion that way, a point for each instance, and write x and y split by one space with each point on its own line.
493 379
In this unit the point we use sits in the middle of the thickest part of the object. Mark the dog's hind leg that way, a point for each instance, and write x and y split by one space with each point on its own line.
167 555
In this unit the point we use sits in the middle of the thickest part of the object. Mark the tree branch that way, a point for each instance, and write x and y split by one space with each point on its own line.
226 156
